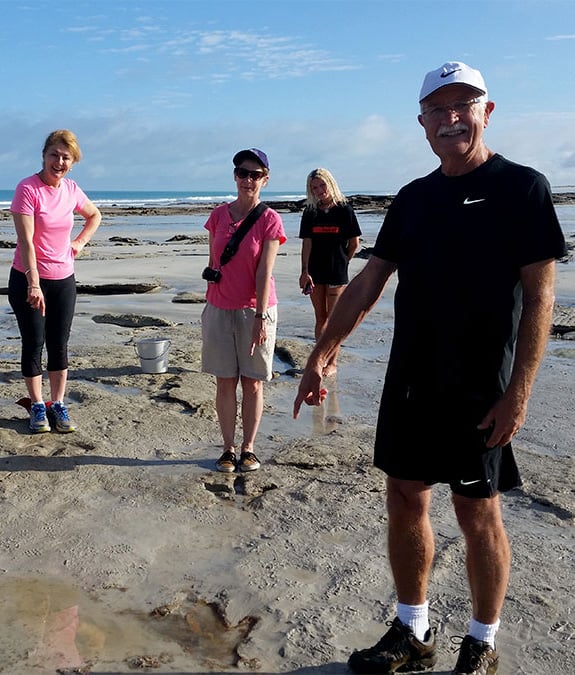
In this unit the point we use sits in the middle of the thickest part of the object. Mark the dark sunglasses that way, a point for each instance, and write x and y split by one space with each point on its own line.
245 173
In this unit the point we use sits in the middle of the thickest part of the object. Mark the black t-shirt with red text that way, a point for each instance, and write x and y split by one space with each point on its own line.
329 233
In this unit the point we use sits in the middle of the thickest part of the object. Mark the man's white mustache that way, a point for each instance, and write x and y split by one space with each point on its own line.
448 130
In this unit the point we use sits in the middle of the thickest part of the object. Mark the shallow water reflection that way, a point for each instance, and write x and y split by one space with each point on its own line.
48 626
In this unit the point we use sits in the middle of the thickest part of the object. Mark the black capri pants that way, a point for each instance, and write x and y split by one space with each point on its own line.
53 329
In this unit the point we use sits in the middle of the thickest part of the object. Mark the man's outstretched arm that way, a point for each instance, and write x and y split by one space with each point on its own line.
352 307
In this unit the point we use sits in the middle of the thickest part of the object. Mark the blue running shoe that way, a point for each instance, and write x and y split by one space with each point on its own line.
61 421
38 421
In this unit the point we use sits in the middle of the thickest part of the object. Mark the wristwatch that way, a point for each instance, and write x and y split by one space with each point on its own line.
259 315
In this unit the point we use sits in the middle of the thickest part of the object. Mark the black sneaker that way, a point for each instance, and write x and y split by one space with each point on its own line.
398 651
227 463
475 658
248 462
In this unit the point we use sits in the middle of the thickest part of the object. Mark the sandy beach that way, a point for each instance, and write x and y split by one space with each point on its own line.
122 550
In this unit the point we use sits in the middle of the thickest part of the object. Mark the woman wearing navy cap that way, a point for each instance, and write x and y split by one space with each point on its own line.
240 317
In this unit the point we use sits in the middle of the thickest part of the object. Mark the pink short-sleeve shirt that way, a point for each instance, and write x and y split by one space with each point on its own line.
53 212
237 287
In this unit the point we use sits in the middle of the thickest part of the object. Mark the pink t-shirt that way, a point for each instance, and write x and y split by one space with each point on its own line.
53 212
237 287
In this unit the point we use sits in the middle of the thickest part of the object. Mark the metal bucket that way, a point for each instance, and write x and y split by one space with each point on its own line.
153 353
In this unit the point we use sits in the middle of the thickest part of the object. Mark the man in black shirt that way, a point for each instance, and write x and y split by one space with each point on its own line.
474 245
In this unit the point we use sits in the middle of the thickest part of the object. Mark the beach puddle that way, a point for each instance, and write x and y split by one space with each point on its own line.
564 352
346 400
282 369
47 626
5 402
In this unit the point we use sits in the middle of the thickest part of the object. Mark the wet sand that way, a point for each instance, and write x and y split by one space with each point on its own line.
122 550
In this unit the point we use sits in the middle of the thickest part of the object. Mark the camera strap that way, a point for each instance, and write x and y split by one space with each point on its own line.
234 241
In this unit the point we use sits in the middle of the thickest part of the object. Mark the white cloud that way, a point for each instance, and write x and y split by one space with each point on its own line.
371 134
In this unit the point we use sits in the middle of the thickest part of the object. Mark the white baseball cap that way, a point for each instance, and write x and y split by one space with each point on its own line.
452 72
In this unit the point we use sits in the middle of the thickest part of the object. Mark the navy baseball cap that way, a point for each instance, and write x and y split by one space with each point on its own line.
253 153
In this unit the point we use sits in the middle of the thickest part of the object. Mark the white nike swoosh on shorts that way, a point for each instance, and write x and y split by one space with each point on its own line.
473 482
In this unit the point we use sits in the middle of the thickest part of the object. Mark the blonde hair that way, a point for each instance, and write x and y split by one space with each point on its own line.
332 187
68 139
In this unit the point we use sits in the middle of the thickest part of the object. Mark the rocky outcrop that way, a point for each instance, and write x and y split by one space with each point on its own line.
117 289
132 320
563 322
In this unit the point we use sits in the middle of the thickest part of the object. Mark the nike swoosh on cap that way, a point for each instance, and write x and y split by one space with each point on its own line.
467 200
450 72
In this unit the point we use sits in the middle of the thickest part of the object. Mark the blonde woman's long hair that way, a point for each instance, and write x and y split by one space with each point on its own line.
332 186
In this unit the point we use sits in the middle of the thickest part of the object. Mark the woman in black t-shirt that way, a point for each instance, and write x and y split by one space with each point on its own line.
330 233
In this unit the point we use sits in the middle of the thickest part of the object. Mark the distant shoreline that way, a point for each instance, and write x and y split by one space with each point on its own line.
373 203
360 202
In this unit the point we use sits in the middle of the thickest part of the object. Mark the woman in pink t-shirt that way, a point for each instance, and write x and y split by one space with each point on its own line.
240 317
42 286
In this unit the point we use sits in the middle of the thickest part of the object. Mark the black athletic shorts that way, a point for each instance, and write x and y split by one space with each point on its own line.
412 444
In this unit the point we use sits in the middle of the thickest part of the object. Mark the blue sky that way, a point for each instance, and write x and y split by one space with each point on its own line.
162 93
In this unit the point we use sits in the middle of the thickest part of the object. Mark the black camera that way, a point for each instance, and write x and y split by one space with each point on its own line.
210 274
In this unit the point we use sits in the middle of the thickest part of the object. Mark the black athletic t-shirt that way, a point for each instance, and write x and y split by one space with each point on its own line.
329 233
459 243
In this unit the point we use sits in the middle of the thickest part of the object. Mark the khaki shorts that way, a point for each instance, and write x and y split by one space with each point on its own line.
227 341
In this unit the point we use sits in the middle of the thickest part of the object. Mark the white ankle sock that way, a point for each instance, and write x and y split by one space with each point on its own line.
416 617
484 631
